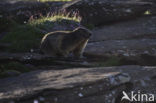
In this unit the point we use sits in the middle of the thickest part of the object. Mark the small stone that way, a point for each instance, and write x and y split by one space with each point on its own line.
146 52
90 87
110 95
124 78
143 83
36 101
31 50
85 63
113 92
128 10
112 80
126 54
56 99
41 98
11 102
80 95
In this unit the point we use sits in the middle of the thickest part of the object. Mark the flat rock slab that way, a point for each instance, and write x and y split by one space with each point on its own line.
144 27
34 82
42 60
78 85
124 47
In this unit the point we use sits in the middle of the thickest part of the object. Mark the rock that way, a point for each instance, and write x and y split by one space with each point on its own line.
122 47
133 39
22 11
42 60
141 28
153 9
79 85
3 45
99 12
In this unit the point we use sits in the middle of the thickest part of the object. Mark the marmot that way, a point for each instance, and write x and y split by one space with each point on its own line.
62 43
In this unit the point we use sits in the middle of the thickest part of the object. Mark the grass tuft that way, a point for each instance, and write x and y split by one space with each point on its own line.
112 61
12 69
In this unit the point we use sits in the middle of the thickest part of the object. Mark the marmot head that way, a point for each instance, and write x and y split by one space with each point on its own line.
83 32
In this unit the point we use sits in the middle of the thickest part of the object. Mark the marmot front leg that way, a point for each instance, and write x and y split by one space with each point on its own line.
78 51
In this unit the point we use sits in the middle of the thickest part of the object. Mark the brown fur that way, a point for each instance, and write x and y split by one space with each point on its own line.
62 43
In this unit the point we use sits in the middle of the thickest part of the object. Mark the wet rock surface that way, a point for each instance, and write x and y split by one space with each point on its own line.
84 85
107 11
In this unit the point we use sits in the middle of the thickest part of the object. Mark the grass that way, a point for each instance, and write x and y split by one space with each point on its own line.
112 61
48 22
90 26
55 18
147 12
12 69
24 37
4 23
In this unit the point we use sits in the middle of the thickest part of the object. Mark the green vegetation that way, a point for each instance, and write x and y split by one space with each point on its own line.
24 37
48 22
14 66
4 24
147 12
90 26
112 61
12 69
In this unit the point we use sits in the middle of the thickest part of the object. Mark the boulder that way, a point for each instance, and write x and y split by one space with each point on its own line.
132 39
141 28
99 12
78 85
22 11
122 47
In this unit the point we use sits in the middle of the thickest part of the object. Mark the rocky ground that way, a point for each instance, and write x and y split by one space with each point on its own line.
120 56
84 85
